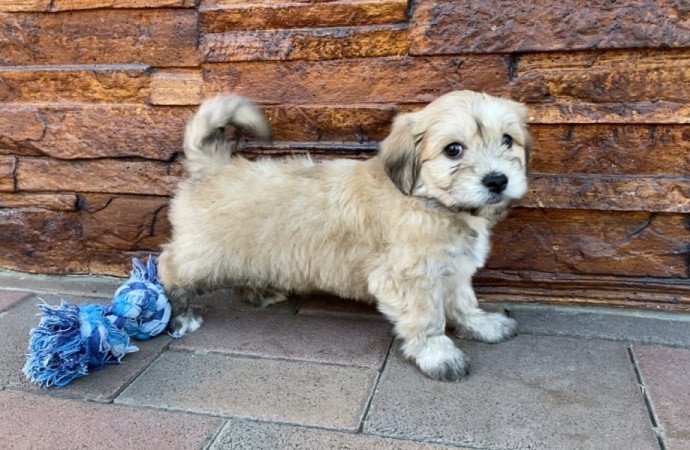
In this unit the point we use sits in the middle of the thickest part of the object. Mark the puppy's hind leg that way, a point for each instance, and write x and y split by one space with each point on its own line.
261 297
463 312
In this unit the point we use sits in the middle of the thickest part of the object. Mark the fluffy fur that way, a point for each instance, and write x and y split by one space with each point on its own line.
406 229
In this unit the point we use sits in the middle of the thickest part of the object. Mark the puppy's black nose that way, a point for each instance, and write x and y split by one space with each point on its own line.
496 182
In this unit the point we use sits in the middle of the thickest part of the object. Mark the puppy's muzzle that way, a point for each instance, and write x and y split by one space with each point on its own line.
495 182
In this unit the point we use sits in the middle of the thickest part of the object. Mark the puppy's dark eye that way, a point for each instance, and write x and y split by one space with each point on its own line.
507 141
454 150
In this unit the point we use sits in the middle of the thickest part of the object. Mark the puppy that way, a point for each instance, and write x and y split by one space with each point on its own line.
406 229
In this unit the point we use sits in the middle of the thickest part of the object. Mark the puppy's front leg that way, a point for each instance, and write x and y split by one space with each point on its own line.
463 313
183 320
415 306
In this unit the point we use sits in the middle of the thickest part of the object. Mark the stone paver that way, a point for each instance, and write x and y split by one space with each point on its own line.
665 373
40 422
327 305
320 339
70 285
665 329
530 392
282 391
244 434
10 298
102 385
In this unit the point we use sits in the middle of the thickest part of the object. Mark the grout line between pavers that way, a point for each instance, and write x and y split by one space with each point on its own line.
346 432
598 338
370 400
134 406
140 372
17 303
269 358
76 293
656 428
219 429
225 415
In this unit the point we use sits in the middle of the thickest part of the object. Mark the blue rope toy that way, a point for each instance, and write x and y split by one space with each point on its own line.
71 341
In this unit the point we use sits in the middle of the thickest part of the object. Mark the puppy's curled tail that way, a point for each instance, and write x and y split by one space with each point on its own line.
205 143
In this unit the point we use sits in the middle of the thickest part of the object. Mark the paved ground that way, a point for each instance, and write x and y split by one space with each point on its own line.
314 374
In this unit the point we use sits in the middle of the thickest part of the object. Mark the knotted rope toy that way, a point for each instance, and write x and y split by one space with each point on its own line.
71 341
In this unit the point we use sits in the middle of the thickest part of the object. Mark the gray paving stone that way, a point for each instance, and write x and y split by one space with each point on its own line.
70 285
279 391
30 421
342 341
529 392
102 385
243 434
10 298
604 323
665 373
328 305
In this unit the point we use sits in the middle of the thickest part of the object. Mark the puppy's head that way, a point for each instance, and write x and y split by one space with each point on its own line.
465 150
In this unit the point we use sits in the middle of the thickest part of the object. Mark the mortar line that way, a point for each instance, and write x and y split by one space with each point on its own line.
647 401
270 358
360 430
221 426
141 371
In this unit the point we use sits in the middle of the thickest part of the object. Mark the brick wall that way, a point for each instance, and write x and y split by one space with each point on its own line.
95 94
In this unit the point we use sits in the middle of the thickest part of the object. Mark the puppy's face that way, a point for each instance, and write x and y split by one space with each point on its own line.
465 150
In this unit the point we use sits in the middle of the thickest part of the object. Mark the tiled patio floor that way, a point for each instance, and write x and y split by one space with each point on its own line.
315 375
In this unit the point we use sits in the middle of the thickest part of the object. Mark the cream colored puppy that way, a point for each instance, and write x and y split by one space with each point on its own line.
406 229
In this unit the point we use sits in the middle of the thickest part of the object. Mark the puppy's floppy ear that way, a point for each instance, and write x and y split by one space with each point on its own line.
527 147
399 154
521 110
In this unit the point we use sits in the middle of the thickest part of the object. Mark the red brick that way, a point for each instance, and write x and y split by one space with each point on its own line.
66 5
610 113
611 149
313 44
117 228
636 244
38 240
162 37
609 193
117 84
24 5
442 27
358 123
93 131
8 165
358 81
19 128
617 76
105 175
55 202
225 15
176 87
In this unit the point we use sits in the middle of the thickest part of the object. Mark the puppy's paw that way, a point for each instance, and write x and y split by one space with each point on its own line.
489 327
441 360
184 323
